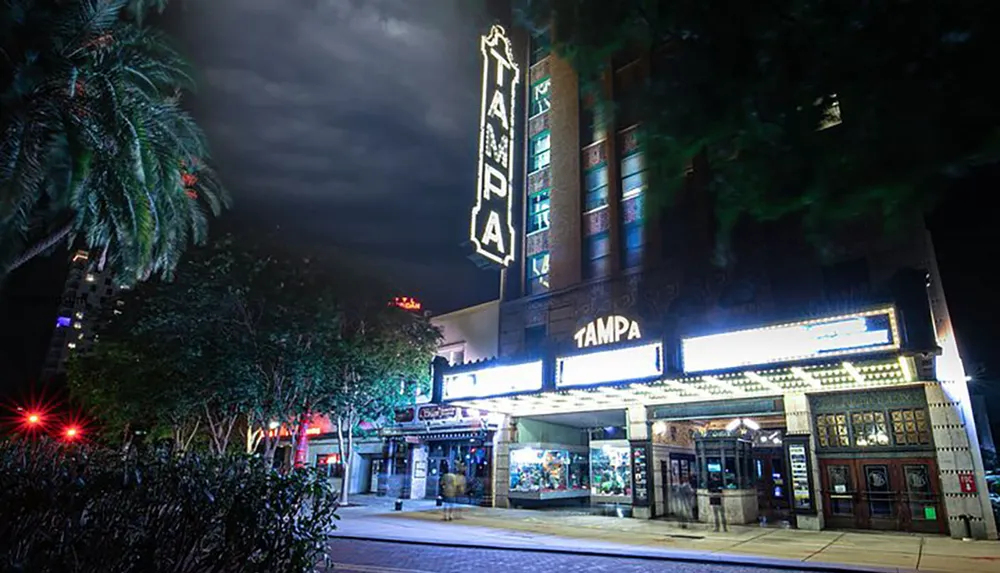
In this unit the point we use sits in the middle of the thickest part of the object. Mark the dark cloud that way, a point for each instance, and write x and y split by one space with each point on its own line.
350 124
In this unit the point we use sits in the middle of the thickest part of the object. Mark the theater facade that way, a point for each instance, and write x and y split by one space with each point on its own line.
836 421
644 368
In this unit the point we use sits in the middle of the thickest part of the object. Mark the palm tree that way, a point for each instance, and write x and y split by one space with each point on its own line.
96 148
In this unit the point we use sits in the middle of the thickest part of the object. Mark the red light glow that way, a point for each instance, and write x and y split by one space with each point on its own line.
72 432
33 419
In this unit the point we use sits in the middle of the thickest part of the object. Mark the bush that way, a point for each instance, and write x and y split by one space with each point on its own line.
90 509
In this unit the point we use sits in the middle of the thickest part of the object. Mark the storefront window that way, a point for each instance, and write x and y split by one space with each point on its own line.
329 465
536 470
610 468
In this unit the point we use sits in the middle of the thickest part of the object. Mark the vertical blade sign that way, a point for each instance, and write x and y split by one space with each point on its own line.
492 229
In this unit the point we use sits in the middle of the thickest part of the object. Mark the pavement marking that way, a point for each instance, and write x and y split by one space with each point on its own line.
828 545
356 568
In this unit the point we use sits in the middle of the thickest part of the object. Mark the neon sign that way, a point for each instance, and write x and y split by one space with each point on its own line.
407 303
863 332
607 331
492 228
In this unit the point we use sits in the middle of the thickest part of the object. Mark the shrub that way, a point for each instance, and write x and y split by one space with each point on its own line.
89 509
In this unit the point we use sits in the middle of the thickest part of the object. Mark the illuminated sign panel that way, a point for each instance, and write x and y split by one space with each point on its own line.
492 229
872 331
607 330
619 365
494 381
406 303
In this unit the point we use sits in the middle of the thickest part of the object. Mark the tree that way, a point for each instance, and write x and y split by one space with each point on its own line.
134 388
95 145
751 96
379 356
244 335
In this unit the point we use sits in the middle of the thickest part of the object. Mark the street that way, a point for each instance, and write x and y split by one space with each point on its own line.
352 556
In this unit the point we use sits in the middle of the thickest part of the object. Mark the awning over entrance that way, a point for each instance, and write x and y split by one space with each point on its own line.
835 376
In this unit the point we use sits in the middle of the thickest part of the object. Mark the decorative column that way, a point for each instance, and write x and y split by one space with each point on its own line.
799 422
505 435
963 486
564 127
638 435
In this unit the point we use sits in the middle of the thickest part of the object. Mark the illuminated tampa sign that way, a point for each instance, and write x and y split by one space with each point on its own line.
492 228
863 332
607 330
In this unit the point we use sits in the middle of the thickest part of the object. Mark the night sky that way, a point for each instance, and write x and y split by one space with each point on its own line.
351 126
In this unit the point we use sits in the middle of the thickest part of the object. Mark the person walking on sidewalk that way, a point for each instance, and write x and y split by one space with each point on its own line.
718 511
454 487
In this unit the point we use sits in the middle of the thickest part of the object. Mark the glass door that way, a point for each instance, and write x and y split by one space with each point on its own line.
840 494
889 494
921 498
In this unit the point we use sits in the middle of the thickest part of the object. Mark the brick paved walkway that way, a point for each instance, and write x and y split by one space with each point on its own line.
421 522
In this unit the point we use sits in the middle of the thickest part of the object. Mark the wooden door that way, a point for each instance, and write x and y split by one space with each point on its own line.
885 494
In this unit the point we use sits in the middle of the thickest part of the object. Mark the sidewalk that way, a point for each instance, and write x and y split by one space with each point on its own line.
574 533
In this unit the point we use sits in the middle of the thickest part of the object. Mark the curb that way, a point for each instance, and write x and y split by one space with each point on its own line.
710 559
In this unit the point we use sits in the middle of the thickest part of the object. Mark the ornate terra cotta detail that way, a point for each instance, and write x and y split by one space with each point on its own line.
536 313
539 180
632 208
594 155
596 221
538 124
536 243
630 140
539 71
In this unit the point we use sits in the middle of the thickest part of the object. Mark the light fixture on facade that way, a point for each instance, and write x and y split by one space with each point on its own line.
855 374
724 387
806 377
904 367
755 377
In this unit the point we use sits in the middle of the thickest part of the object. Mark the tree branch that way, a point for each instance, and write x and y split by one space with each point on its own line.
41 246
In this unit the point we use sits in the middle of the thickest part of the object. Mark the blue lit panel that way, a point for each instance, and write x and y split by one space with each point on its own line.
866 332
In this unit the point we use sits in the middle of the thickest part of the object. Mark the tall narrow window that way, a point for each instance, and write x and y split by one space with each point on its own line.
540 151
598 248
540 46
633 175
595 185
538 211
634 239
541 100
538 273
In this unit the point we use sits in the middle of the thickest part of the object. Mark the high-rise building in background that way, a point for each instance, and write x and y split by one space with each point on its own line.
642 376
87 293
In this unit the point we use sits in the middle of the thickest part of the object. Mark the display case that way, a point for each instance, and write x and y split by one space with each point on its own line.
548 471
610 472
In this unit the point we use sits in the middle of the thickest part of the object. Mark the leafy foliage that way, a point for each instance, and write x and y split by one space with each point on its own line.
82 510
244 335
739 92
375 360
95 145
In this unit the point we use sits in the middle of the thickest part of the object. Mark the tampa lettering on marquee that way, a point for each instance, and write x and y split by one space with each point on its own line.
492 229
